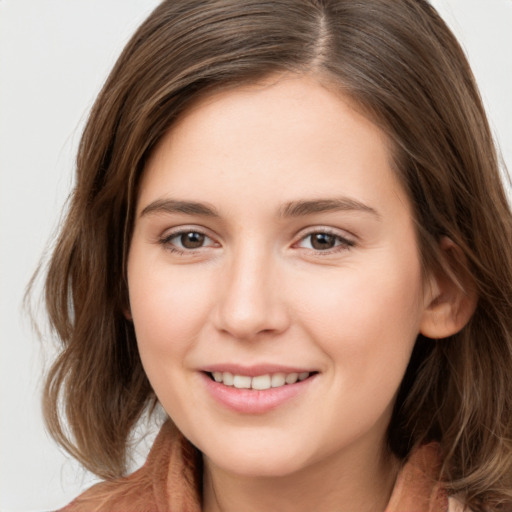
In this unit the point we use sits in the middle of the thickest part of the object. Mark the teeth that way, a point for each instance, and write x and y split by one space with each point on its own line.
227 378
242 382
278 380
261 382
291 378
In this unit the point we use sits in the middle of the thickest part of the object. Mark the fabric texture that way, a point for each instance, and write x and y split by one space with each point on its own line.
170 481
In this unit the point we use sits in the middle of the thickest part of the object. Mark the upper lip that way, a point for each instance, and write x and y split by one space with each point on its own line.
254 370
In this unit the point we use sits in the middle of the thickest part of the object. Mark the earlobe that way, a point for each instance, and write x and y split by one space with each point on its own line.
450 296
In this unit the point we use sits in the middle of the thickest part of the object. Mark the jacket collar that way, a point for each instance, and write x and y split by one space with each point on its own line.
170 481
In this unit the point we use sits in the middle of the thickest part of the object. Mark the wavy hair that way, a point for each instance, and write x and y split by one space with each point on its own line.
400 63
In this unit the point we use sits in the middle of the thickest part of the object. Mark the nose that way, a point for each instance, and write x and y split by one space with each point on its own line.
251 299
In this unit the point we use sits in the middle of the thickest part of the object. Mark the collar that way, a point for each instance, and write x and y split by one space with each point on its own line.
170 481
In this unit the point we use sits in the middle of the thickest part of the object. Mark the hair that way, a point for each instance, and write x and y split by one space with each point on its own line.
398 61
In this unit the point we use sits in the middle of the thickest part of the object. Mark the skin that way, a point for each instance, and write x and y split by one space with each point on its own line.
257 291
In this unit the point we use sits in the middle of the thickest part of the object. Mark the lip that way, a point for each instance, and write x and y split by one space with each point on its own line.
250 401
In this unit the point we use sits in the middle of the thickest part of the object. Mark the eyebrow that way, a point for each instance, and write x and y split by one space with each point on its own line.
303 208
299 208
175 206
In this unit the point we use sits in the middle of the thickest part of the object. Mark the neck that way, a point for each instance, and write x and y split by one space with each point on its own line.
346 483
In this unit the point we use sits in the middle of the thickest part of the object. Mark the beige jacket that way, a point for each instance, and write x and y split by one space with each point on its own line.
169 481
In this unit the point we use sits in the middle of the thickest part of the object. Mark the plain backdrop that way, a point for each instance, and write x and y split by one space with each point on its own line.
54 57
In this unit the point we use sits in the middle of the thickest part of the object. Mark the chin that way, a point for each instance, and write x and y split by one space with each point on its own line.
257 459
261 466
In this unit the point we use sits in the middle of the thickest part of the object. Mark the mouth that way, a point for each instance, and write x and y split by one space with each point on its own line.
259 382
257 389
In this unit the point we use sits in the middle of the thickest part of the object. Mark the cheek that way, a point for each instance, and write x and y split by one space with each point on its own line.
355 301
366 318
168 308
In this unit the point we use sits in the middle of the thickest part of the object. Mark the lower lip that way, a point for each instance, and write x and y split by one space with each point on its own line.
251 401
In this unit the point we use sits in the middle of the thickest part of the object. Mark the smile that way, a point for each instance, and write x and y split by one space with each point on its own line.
258 382
257 389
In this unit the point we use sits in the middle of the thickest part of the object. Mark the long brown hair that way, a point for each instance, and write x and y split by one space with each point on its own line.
400 63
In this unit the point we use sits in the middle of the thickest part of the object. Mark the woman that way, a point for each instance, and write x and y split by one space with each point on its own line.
289 229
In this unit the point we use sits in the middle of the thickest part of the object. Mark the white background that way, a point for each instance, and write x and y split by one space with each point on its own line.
54 56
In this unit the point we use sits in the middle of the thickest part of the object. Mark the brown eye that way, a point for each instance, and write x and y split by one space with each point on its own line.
323 241
192 240
186 241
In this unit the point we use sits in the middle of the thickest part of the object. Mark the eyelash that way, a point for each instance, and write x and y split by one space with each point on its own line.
342 243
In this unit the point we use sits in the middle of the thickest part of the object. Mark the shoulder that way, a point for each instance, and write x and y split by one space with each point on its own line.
168 475
418 486
130 494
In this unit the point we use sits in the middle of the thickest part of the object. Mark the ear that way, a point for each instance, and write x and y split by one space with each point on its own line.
450 296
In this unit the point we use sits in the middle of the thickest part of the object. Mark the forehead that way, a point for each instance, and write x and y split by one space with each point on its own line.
283 137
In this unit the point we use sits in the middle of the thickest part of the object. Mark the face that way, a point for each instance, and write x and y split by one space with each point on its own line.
274 278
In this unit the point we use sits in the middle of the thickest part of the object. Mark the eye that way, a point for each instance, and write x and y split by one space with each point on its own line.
187 240
324 241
